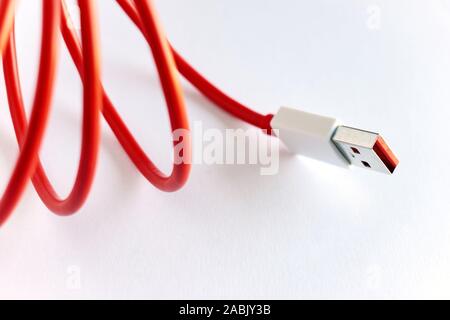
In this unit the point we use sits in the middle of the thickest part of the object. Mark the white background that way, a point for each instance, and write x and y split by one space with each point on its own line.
312 231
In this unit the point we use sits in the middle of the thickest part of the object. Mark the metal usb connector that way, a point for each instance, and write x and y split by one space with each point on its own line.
365 149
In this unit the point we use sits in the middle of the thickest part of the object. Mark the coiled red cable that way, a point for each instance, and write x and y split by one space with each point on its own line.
86 57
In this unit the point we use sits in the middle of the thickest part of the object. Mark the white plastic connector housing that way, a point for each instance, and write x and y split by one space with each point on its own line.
309 135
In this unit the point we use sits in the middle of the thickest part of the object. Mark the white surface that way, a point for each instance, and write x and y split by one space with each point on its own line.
308 134
312 231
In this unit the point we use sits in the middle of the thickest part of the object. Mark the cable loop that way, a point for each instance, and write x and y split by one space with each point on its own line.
86 57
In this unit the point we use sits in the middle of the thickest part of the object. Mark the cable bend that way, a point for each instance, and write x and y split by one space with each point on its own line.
28 157
91 117
173 95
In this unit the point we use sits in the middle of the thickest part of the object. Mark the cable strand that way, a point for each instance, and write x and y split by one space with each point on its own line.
85 54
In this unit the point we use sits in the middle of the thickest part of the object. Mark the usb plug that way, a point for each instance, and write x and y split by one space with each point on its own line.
365 149
323 138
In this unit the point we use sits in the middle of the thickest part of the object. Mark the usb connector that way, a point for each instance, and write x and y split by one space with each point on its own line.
365 149
323 138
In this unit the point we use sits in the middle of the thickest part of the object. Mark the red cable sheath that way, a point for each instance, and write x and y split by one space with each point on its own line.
214 94
91 116
86 58
6 21
27 160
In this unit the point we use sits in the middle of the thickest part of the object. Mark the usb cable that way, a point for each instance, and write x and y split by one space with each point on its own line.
310 135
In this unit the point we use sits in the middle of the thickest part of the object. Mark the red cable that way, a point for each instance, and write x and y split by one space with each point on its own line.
27 160
214 94
6 21
86 58
91 116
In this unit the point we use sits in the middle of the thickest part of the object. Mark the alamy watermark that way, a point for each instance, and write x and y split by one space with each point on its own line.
226 147
73 279
373 21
